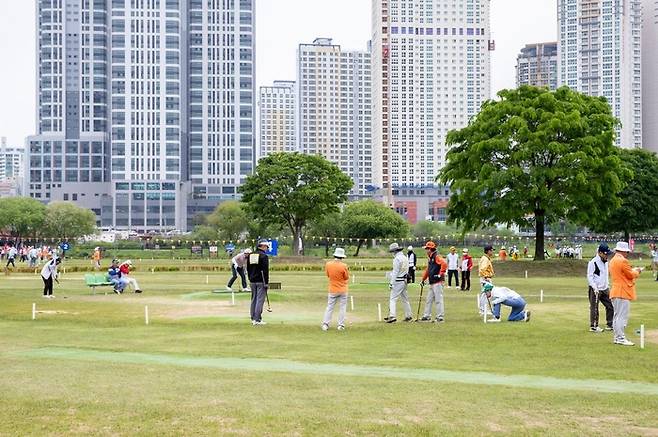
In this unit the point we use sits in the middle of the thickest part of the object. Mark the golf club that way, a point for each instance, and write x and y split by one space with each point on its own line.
267 296
420 298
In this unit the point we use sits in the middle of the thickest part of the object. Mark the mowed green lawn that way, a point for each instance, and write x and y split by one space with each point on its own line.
89 364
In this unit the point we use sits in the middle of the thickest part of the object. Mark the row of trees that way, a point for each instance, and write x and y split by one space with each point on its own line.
23 217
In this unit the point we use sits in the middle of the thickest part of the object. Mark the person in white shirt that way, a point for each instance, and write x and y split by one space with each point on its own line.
11 256
654 262
398 284
411 255
506 296
33 255
238 264
599 289
453 267
48 274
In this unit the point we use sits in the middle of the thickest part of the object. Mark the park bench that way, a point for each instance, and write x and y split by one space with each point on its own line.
96 280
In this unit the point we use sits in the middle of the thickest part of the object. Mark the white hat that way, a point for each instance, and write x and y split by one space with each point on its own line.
410 248
465 251
395 247
247 251
339 253
622 246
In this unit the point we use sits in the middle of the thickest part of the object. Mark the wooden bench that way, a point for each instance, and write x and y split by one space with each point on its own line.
96 280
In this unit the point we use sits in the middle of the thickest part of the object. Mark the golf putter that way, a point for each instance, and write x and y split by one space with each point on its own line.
267 296
420 298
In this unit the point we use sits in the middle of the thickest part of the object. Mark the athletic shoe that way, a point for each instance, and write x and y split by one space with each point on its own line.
624 342
253 323
325 327
494 320
440 320
390 319
408 319
340 328
608 328
45 296
526 316
244 290
426 319
595 329
228 288
138 291
258 323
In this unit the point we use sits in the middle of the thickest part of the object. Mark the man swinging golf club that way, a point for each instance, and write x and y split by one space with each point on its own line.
258 267
398 285
506 296
435 275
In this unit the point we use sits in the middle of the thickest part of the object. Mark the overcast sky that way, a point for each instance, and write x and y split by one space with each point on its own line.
281 26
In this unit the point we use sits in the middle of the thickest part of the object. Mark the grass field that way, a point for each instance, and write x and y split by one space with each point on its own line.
89 364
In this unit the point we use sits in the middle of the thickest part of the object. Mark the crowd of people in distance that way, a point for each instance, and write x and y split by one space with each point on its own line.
34 256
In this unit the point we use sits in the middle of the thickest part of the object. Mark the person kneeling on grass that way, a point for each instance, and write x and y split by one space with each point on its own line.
339 276
114 276
125 274
505 296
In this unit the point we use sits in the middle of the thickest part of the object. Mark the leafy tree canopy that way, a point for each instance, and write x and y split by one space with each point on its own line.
368 219
68 221
229 219
535 156
22 216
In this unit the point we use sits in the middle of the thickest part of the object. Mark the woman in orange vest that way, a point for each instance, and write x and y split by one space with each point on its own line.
623 291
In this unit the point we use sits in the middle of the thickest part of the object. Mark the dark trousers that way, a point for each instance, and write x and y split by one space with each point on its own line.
452 273
11 261
258 292
411 276
236 272
466 279
47 286
604 298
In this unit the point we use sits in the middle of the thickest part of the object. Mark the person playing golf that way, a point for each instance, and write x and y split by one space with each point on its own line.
258 268
398 285
339 276
435 275
238 262
598 290
623 291
48 275
486 273
505 296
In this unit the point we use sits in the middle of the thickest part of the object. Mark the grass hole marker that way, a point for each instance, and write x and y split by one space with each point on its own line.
232 298
541 295
352 302
207 280
526 274
379 312
641 336
146 314
34 311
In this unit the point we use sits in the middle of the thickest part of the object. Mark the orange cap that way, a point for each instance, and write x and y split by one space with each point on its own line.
430 245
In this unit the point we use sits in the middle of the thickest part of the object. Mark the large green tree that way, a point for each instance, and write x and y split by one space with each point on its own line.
368 219
327 227
67 221
229 219
293 189
639 207
535 156
22 216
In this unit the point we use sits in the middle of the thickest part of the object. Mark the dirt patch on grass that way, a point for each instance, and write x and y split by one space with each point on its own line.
651 336
603 425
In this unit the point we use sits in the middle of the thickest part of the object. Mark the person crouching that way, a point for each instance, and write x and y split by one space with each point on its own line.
508 297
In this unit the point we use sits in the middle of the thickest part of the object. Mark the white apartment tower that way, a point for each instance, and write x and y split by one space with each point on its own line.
431 74
599 54
278 105
146 107
649 75
335 108
536 65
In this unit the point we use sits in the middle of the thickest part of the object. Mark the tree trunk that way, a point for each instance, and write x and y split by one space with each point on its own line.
539 235
326 248
627 236
358 248
297 238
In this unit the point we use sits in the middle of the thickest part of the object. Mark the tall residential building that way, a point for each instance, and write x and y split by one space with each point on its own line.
145 107
12 172
431 74
599 54
536 65
335 108
278 105
649 75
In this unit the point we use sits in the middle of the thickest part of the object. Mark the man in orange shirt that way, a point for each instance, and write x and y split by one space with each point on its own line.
623 291
338 275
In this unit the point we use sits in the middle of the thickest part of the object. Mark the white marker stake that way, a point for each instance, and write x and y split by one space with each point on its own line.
352 302
353 279
34 311
379 312
641 336
232 298
207 279
526 274
485 317
146 314
541 295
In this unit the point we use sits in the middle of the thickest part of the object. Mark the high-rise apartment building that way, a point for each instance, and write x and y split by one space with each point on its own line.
12 163
599 54
335 108
536 65
431 74
146 107
278 106
649 75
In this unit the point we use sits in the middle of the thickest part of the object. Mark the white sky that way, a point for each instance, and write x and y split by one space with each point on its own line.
280 26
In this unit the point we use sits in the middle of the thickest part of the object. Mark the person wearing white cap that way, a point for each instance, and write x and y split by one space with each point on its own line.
398 284
623 278
124 268
258 268
238 263
336 271
466 267
411 278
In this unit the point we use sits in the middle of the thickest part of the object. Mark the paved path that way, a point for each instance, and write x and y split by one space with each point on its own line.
277 365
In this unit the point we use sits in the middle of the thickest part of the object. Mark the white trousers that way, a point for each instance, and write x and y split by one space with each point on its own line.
435 295
399 291
331 303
